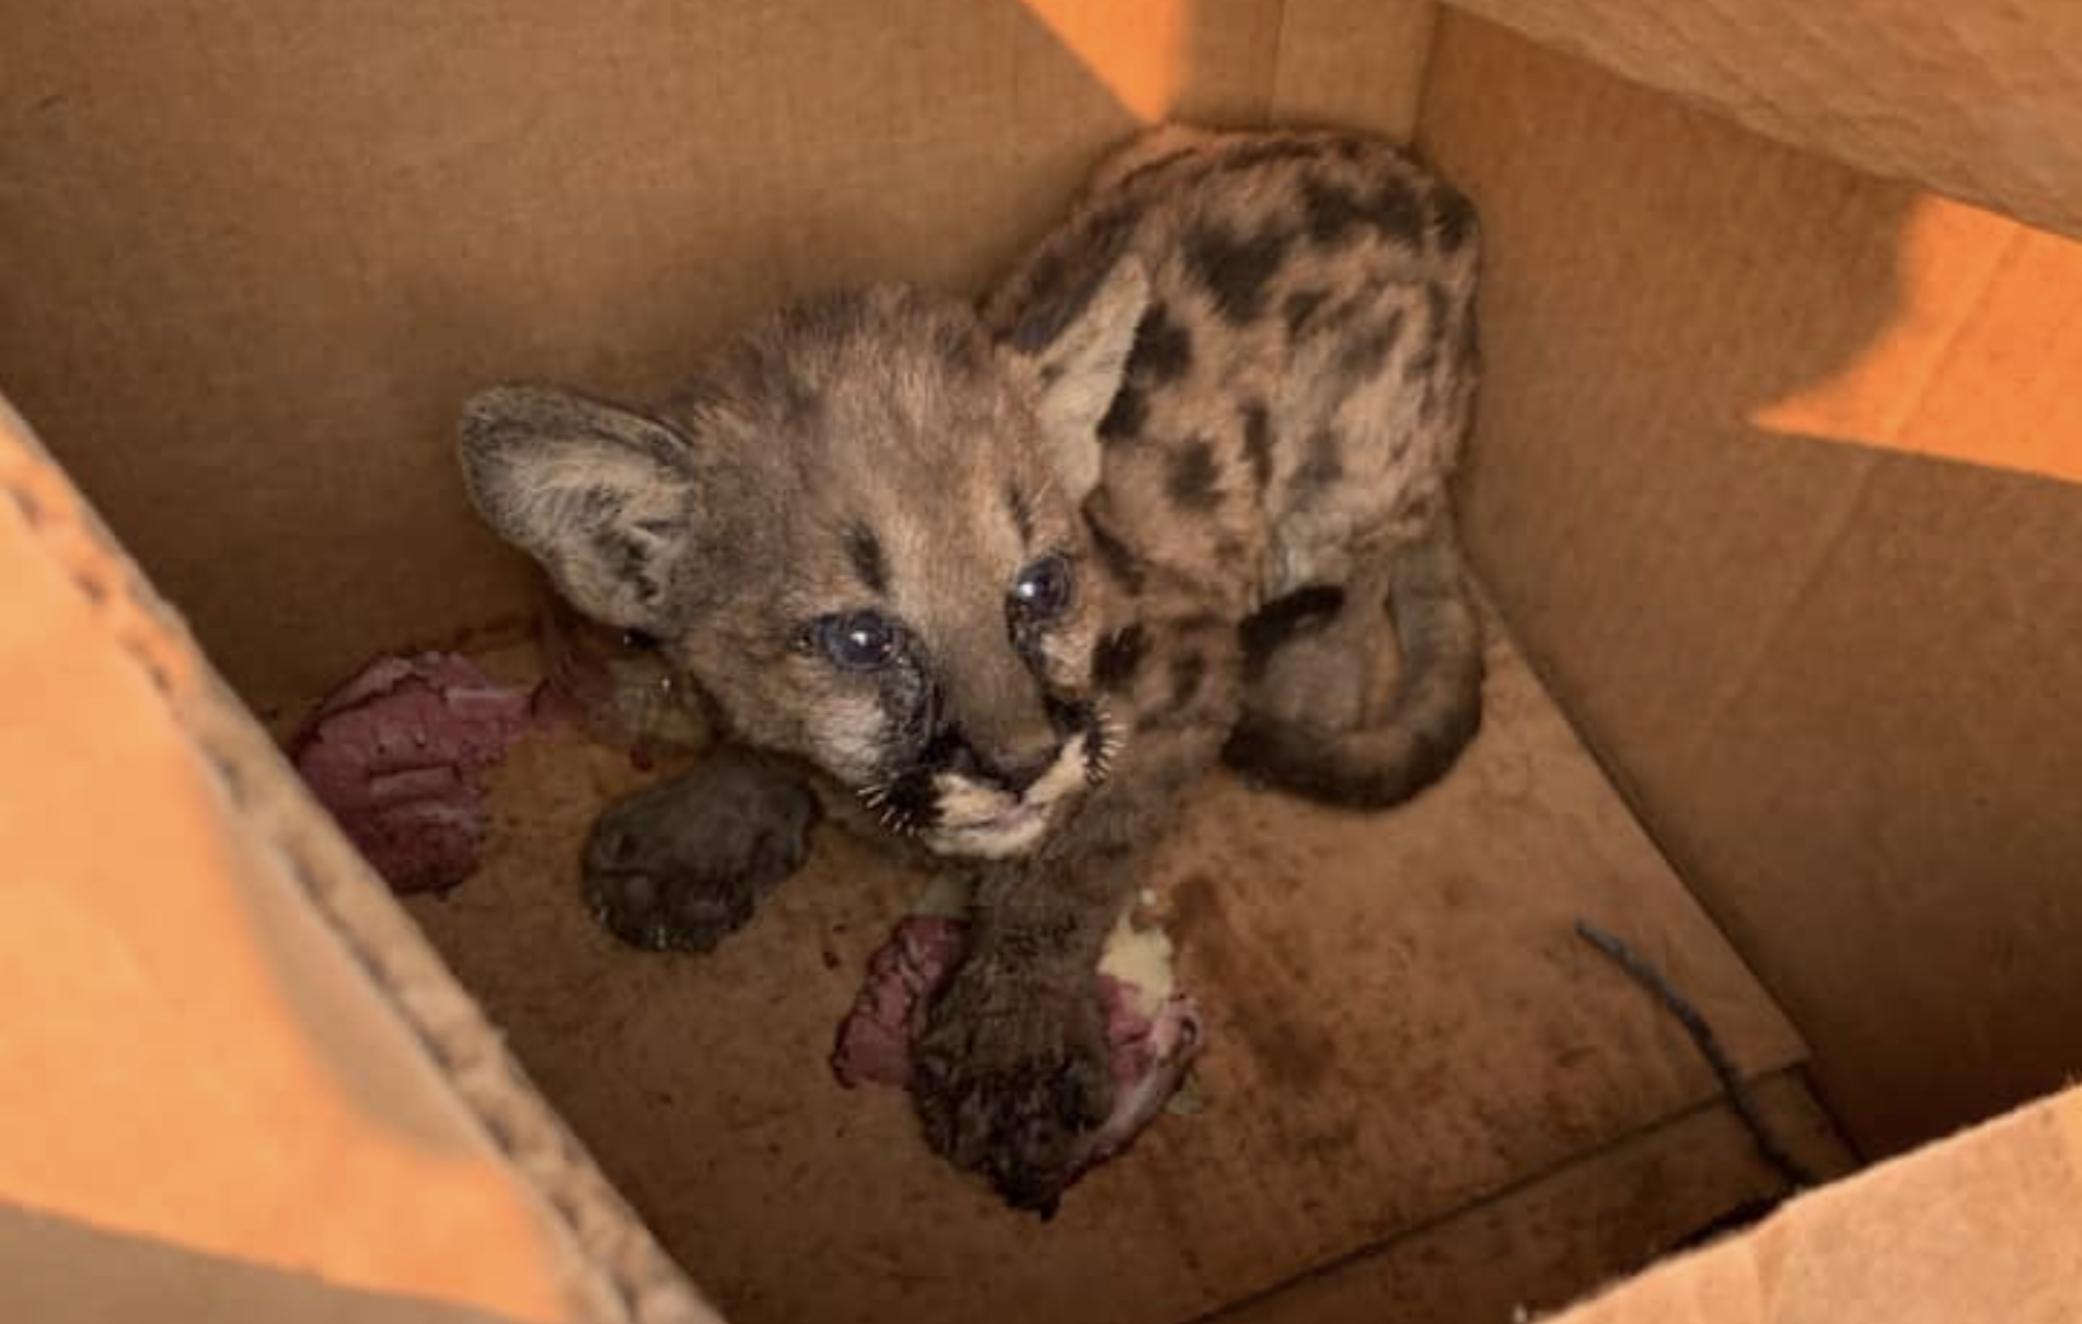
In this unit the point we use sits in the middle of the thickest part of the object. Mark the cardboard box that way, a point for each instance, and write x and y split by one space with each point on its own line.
1774 490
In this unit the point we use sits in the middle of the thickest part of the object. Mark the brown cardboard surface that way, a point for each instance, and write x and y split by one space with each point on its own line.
1356 65
1835 675
1565 1234
256 259
1980 98
1986 1226
1401 1021
208 1088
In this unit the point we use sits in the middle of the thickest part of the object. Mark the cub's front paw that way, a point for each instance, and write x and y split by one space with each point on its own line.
679 866
1011 1077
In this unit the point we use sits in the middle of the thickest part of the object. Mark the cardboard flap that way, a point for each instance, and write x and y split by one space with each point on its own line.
1985 1226
1978 98
229 1069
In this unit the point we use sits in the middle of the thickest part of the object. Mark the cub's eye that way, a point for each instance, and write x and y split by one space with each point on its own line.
1043 589
856 640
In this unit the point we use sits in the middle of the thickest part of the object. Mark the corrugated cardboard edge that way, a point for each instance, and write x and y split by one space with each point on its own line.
1985 1225
621 1273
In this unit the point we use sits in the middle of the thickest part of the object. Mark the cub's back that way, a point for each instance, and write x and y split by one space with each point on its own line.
1301 381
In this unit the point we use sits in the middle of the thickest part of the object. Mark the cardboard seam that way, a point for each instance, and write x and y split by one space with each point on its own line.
1818 565
1275 91
636 1297
1630 796
1386 1245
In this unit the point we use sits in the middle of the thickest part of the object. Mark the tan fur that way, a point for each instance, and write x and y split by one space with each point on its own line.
1229 394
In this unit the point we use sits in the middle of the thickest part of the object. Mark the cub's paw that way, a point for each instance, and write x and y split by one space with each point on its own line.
1010 1079
680 865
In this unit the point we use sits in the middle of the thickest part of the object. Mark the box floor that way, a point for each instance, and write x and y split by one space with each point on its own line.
1416 1075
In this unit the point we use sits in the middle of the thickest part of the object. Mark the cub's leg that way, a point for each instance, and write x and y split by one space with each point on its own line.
680 865
1012 1070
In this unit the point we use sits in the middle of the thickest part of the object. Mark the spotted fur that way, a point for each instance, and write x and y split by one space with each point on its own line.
1009 578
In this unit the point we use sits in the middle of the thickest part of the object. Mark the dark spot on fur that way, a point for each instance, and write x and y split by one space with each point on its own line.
1257 441
1125 416
1116 557
1022 513
1325 463
1163 349
864 550
1062 278
1162 352
1334 212
1331 210
1193 482
1236 269
1279 620
1300 306
1188 672
1118 657
1365 351
1452 218
1394 209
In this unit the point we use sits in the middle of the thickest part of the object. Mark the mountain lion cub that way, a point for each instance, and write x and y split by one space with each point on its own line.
1002 582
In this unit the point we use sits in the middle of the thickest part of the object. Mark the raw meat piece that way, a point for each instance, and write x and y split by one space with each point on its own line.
1153 1038
394 754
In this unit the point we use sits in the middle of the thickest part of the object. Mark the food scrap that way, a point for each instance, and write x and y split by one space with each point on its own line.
396 754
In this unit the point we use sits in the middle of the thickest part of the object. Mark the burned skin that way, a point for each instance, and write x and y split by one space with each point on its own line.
1004 582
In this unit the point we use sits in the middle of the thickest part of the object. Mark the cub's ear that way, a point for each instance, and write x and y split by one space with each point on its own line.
604 498
1078 361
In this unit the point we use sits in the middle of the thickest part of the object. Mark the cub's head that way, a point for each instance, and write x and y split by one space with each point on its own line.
860 532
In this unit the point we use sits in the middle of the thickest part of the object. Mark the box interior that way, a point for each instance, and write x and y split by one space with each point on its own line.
1774 489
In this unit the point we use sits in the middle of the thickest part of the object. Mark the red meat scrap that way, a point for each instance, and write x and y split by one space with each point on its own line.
396 755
